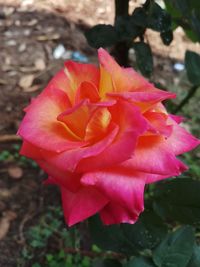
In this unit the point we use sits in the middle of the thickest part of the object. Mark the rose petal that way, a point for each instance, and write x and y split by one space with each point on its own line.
131 126
98 124
87 90
123 79
124 188
144 98
153 155
82 204
158 123
40 126
181 141
69 159
71 118
78 73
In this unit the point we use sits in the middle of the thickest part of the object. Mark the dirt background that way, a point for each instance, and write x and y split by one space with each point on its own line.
30 31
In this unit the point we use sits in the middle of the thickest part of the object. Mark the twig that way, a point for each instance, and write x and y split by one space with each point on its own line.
9 138
185 100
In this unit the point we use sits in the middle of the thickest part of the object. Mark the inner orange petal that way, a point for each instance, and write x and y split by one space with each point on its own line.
98 124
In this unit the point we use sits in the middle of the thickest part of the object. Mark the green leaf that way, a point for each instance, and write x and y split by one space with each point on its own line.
102 35
140 262
176 249
110 237
144 58
147 232
107 263
139 17
158 18
192 64
126 28
195 260
167 37
170 201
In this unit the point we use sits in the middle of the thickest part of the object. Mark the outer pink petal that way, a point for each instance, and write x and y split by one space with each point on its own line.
131 126
69 180
82 204
181 141
68 160
40 126
63 178
158 123
154 155
123 79
144 98
123 188
30 151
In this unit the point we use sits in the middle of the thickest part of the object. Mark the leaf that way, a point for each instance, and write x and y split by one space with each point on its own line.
110 237
192 64
101 35
139 17
15 172
140 262
107 263
144 58
170 201
126 28
26 81
176 249
147 232
40 64
158 18
195 260
5 223
167 37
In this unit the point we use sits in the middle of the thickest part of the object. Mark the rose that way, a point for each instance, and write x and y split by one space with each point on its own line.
101 134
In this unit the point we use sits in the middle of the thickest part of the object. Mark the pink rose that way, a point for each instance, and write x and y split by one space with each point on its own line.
101 134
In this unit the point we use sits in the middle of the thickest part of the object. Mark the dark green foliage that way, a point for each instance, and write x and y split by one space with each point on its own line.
192 63
186 13
158 19
146 233
102 35
140 262
144 58
176 249
107 263
178 200
128 27
195 260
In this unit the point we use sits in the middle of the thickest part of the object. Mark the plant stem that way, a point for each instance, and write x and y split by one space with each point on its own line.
120 50
185 100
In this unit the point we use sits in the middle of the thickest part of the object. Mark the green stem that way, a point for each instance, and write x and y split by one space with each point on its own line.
120 50
185 100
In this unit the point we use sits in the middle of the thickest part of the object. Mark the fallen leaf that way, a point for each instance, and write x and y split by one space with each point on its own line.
4 227
32 88
5 193
40 64
8 216
3 82
15 172
26 81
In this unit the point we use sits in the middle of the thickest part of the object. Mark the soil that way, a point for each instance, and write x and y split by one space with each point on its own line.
31 30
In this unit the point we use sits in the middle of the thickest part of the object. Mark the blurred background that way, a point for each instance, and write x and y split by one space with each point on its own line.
36 37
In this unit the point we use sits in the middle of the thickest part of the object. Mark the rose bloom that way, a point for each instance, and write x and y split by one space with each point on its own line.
102 134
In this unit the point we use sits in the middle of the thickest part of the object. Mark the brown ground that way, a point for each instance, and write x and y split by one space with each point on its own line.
30 30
